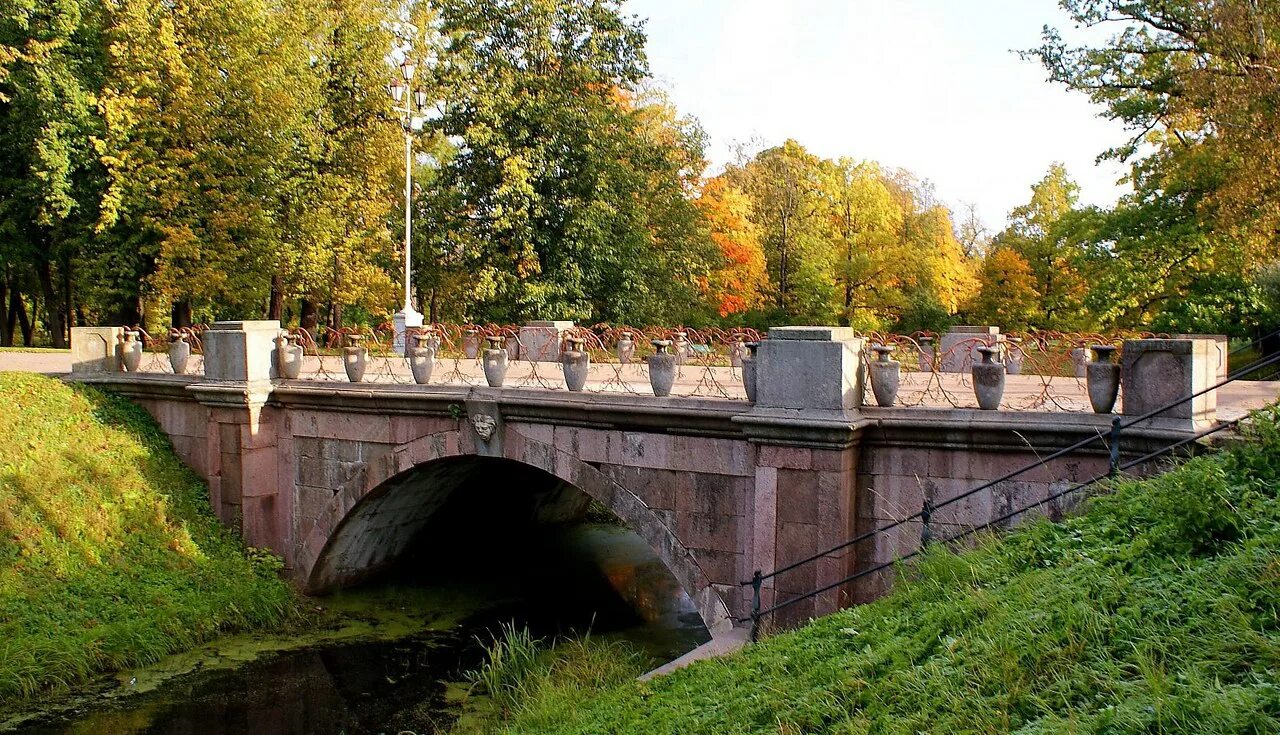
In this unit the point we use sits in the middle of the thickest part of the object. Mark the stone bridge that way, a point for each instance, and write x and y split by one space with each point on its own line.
339 478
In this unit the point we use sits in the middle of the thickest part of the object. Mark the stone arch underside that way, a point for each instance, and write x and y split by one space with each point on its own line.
402 492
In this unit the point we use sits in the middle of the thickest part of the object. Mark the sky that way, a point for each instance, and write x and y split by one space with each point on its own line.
932 86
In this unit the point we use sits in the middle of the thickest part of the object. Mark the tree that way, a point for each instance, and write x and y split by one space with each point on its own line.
569 187
49 172
740 284
1008 295
1034 234
1196 83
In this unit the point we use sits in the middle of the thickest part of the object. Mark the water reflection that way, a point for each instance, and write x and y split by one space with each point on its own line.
556 580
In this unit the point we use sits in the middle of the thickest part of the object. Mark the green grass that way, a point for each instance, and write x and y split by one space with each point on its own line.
1156 611
109 553
533 681
49 350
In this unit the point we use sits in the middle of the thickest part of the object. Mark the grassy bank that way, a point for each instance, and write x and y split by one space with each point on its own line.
1156 611
109 553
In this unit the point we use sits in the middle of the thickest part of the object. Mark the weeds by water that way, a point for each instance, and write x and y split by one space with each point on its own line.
531 679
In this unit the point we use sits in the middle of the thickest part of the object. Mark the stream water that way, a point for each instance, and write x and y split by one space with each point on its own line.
396 661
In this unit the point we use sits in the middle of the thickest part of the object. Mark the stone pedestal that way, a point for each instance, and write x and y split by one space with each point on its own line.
1157 372
1221 349
959 347
809 368
540 341
402 321
95 349
242 351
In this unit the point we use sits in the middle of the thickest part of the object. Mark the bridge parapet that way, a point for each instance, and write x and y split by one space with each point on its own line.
319 470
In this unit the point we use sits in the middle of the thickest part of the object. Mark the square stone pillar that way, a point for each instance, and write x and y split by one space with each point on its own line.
1157 372
809 368
540 341
957 356
95 349
241 351
1222 348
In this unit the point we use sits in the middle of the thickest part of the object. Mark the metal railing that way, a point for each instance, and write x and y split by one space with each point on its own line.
924 515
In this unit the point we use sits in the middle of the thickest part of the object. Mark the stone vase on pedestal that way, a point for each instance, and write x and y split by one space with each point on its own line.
179 352
927 352
662 368
680 346
736 350
988 379
289 356
1103 379
471 344
886 376
495 362
354 358
1013 355
749 369
422 356
1080 362
626 348
576 362
131 350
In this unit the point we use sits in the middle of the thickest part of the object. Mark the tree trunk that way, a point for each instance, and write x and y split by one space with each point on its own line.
18 317
68 305
6 328
308 316
56 320
180 314
275 304
782 267
434 316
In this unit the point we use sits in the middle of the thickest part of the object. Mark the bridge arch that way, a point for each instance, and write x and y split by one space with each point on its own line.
371 522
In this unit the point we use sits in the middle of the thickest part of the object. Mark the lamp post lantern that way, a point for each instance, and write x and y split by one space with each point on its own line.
411 108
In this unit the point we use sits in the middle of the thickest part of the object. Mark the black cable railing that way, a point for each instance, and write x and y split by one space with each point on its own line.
1115 466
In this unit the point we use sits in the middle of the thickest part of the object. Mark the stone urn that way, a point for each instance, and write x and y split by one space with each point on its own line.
988 379
471 344
1080 362
495 362
749 369
662 368
131 350
179 352
680 346
626 348
927 352
422 356
886 376
354 358
1103 379
1013 355
737 350
576 362
289 356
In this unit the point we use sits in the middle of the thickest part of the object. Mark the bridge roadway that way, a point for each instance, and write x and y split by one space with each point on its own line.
339 478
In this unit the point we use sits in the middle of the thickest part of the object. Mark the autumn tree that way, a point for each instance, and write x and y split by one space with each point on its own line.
1034 234
1007 296
740 284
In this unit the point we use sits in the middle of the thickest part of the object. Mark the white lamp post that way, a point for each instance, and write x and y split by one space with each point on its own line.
411 118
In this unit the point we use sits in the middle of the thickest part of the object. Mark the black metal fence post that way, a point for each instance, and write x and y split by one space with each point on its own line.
1114 440
926 513
757 580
